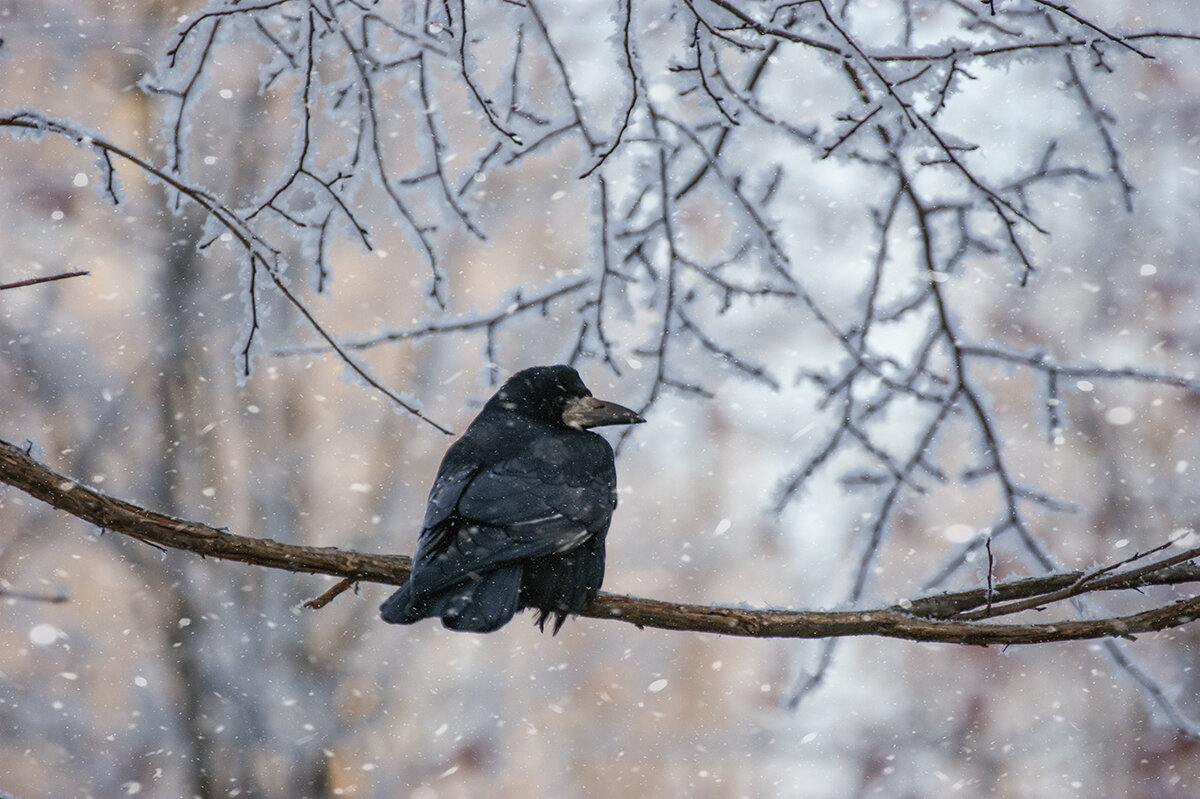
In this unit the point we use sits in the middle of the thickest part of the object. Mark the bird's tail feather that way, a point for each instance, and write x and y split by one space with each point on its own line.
399 607
560 587
480 604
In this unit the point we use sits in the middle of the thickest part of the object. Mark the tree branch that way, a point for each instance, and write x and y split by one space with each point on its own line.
20 470
33 281
261 254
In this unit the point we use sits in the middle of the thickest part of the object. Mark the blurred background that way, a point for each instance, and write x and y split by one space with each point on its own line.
723 227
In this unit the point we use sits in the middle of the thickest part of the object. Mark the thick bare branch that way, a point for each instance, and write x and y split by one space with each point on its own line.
20 470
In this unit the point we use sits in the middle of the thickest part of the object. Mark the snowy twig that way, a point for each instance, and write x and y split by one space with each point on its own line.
262 256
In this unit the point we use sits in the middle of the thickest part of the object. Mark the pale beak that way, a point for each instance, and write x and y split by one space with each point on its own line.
584 412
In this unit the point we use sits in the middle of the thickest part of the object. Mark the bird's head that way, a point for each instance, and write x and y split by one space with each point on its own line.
556 395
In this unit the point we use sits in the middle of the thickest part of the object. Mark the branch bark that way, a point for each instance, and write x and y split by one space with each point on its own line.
924 619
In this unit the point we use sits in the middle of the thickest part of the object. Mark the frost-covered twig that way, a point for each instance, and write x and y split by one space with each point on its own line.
262 257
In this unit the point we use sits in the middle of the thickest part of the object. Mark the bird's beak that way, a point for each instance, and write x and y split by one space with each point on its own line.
584 412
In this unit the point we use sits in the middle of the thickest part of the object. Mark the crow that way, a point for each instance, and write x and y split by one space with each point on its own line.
519 510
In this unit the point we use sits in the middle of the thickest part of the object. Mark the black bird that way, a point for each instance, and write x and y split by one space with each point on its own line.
518 513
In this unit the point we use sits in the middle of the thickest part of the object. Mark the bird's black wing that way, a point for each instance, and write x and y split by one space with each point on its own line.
447 489
548 498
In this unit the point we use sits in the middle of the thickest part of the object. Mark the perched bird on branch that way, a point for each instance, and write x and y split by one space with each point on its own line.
519 510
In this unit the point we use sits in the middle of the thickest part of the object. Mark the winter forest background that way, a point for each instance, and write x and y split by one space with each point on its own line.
905 290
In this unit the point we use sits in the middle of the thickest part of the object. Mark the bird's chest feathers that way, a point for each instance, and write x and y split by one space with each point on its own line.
575 458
